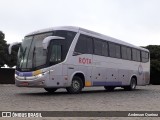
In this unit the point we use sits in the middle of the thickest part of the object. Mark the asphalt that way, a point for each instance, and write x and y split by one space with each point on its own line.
144 98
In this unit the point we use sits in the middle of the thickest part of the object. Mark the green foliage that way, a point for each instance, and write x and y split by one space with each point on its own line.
5 58
2 36
155 63
154 52
3 45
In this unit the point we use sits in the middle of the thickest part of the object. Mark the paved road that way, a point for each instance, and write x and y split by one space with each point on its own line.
145 98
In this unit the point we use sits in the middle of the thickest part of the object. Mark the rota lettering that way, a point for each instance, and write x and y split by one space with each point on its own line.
84 61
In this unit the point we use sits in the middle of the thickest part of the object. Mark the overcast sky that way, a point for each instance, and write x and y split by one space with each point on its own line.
133 21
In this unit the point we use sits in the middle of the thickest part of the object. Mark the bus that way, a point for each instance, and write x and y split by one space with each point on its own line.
73 58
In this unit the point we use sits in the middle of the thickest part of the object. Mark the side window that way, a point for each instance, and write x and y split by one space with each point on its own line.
145 56
105 49
134 54
84 45
89 45
112 50
97 47
69 36
118 51
138 56
124 52
100 47
128 53
55 56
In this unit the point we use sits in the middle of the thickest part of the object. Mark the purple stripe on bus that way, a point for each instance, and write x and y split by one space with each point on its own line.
24 74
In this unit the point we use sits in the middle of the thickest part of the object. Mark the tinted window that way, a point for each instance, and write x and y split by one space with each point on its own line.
89 45
98 47
84 45
55 54
69 36
114 50
126 53
105 49
118 51
145 56
136 55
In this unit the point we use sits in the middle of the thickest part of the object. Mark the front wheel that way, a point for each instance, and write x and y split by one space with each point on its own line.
76 85
50 90
132 85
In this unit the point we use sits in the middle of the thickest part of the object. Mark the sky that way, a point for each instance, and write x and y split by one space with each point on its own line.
133 21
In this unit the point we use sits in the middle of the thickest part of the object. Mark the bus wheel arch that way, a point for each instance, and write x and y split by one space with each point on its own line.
77 83
135 77
81 75
132 85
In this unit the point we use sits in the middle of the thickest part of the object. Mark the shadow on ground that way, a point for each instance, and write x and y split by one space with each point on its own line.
92 92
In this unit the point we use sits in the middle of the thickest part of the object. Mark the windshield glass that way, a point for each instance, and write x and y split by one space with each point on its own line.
31 53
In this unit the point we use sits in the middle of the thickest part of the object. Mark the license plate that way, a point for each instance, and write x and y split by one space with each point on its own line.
24 83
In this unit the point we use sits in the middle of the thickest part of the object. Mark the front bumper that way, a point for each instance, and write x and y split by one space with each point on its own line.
35 81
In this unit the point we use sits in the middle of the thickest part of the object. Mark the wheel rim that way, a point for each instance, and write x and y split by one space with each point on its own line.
133 84
76 85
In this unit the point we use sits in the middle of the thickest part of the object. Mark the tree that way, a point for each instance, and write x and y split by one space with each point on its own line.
5 58
155 63
3 46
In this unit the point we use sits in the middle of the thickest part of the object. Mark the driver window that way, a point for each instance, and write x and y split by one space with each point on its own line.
56 51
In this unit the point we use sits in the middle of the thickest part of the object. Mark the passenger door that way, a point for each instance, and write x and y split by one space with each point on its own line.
56 49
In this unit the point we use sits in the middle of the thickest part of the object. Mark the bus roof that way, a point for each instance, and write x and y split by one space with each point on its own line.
95 34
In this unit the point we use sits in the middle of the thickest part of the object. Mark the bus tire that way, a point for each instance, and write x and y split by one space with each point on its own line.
109 88
76 85
132 85
50 90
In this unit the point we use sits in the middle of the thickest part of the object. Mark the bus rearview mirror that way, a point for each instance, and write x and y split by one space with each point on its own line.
47 40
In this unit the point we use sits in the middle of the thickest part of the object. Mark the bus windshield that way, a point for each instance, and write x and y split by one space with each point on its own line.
32 56
31 53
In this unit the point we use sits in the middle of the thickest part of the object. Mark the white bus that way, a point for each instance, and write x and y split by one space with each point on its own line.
74 58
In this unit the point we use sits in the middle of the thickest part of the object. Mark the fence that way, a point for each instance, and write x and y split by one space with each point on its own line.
7 76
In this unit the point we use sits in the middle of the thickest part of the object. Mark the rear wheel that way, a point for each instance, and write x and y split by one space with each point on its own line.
50 90
132 85
109 88
76 85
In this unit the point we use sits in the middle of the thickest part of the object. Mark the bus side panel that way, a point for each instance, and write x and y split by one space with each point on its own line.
147 77
124 76
112 77
80 64
56 79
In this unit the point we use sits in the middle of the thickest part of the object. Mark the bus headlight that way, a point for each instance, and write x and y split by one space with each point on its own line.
40 75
